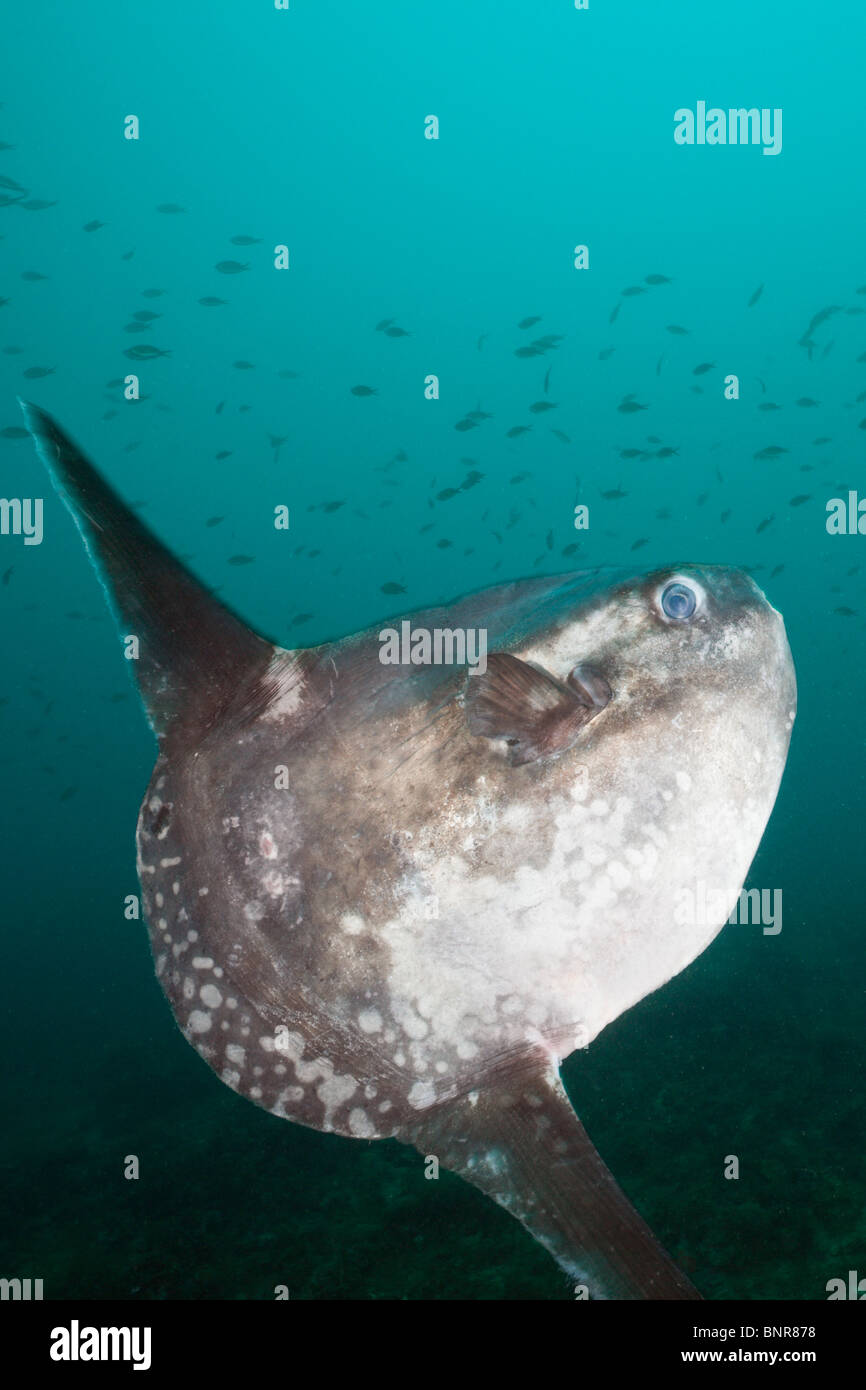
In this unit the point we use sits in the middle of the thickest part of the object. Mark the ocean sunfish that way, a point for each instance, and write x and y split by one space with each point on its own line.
385 900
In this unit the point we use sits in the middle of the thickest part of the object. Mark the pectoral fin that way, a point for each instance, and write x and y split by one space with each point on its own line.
528 707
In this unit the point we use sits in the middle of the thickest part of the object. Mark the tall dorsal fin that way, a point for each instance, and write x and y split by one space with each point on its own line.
195 657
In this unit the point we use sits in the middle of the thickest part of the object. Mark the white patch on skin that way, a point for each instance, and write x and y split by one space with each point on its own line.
202 963
255 1092
267 846
192 936
199 1022
231 1078
203 892
360 1124
684 782
188 988
422 1095
160 900
333 1093
210 995
351 923
169 863
254 912
236 1054
370 1020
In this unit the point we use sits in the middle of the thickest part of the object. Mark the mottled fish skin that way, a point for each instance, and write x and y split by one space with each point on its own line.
407 938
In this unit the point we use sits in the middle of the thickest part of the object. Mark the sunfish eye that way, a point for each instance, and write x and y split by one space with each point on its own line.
678 601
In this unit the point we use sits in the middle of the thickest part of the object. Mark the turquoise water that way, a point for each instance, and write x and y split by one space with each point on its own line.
306 128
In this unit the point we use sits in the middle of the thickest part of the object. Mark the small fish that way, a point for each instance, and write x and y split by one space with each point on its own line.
383 324
135 327
845 612
151 294
676 328
657 280
170 208
546 380
67 793
38 204
231 267
214 520
724 516
614 311
145 352
35 373
762 525
393 588
632 290
806 401
32 275
825 438
241 559
702 367
769 405
245 240
776 571
219 409
330 507
637 545
13 432
538 407
614 494
223 454
127 255
394 331
519 478
772 451
527 323
364 391
446 494
146 315
756 295
516 430
666 452
605 354
288 375
659 366
276 442
478 415
6 182
561 435
210 301
632 453
93 226
244 366
467 423
7 574
653 439
800 499
628 407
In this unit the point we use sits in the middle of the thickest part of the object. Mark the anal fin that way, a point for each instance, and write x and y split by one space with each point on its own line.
521 1143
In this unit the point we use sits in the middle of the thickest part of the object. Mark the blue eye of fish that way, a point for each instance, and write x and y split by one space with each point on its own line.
678 601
